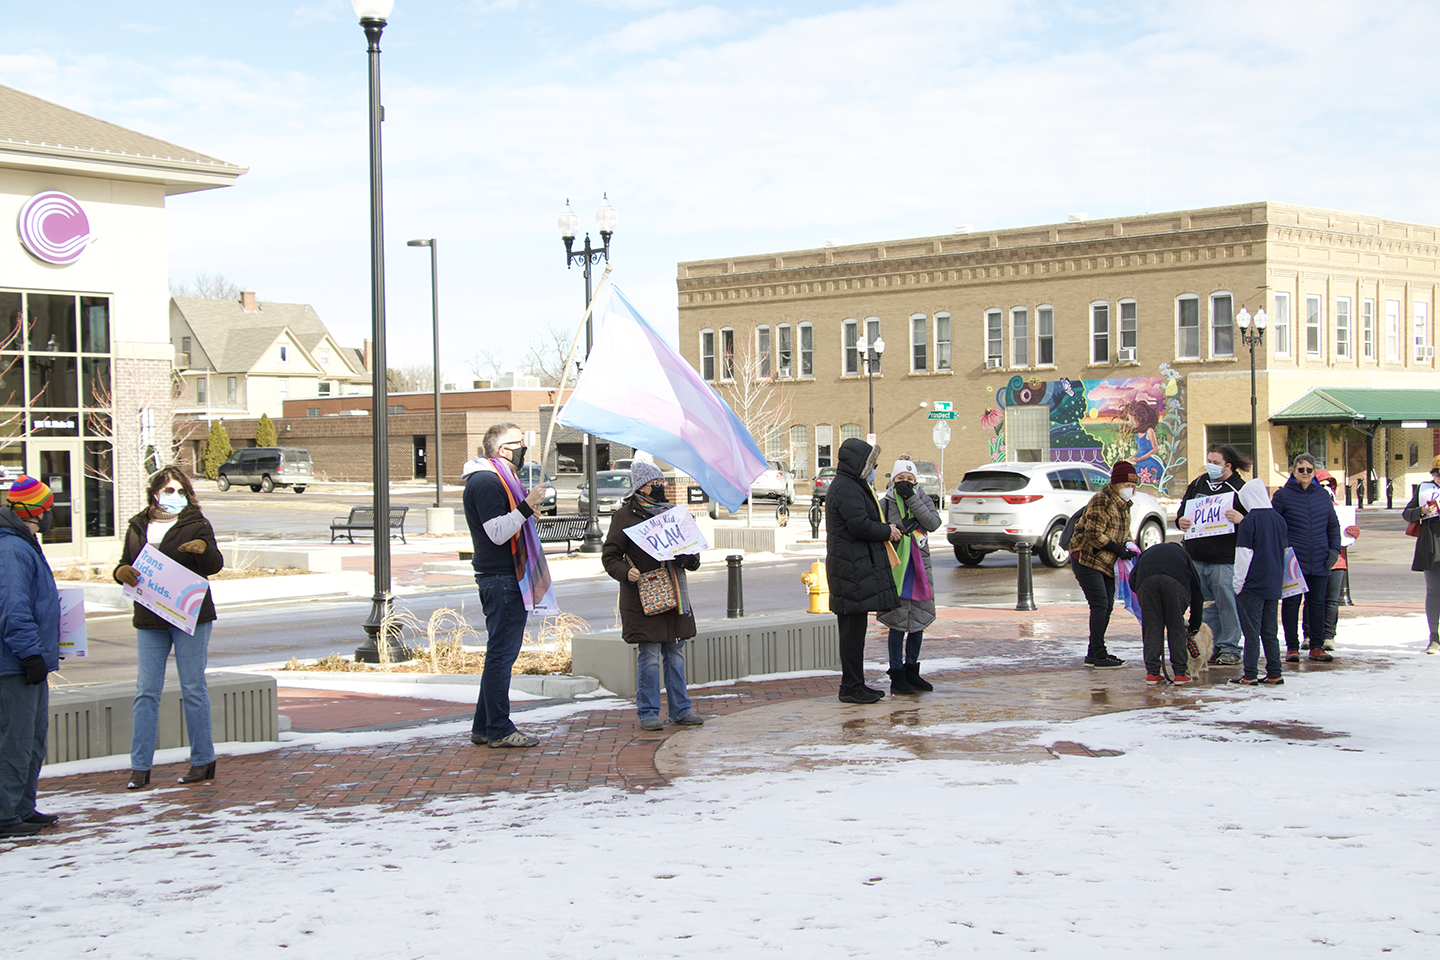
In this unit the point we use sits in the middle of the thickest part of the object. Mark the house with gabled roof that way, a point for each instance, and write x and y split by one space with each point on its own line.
237 359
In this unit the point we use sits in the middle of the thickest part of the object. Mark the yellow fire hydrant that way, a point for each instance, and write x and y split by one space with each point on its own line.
819 588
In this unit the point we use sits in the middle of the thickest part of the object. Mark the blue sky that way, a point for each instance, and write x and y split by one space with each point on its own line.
722 129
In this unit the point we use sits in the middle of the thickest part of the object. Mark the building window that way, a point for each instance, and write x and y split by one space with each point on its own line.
185 347
1312 326
851 336
324 388
1280 325
282 387
1422 330
807 350
1129 329
1187 328
994 339
824 439
919 340
1235 434
707 354
284 354
312 411
232 390
727 354
1392 330
942 341
762 351
1045 336
1019 337
799 451
1222 325
1342 327
1307 438
1027 433
323 356
775 443
1414 457
395 408
851 431
872 333
200 390
783 345
1100 332
1367 329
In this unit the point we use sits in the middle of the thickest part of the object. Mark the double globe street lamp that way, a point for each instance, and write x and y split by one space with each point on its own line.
1252 333
871 352
588 256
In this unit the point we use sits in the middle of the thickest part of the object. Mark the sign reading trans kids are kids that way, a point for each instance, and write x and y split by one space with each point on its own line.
167 589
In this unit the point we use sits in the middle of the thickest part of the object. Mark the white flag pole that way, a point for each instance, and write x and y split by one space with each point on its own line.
565 371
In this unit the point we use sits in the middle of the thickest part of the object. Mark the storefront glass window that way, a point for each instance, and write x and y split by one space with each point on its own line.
99 490
94 325
10 316
95 382
52 322
54 381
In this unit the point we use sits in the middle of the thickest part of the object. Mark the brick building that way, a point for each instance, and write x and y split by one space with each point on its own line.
1086 340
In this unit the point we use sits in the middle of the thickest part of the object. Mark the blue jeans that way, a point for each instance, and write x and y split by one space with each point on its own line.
1314 602
153 650
505 617
1217 583
647 680
24 721
904 648
1257 620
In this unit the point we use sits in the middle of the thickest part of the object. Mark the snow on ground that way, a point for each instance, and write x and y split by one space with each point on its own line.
1208 836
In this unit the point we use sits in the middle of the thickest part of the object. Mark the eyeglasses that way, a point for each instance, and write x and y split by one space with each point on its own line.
1304 469
172 488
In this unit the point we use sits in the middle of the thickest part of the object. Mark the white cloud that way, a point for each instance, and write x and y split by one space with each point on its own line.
670 29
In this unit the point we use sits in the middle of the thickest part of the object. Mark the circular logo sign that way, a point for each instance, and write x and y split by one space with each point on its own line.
54 228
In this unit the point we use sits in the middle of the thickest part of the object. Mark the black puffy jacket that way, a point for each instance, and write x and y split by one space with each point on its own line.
856 563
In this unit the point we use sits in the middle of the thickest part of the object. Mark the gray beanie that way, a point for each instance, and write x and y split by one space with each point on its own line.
643 472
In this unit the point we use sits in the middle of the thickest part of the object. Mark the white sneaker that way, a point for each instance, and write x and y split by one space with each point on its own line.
1434 646
514 739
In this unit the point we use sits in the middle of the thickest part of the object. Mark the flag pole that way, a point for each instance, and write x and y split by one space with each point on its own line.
565 370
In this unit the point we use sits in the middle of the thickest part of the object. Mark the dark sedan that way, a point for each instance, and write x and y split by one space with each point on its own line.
822 483
614 486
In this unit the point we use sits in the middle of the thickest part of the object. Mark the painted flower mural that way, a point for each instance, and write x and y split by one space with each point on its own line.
992 419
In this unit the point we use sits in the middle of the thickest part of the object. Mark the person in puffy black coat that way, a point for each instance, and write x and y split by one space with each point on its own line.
1314 535
1424 509
856 562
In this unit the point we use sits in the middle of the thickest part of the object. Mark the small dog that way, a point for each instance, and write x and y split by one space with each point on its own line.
1200 647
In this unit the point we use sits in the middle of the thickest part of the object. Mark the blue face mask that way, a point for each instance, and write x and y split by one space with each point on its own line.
172 502
1215 470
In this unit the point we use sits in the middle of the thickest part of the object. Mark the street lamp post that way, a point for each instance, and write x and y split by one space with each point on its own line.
1253 334
373 14
605 219
871 353
435 321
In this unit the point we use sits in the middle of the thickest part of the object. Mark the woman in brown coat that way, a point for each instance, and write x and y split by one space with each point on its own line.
1101 535
172 524
658 635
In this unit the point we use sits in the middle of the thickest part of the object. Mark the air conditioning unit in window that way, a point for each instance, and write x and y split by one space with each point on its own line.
992 363
1127 354
784 373
1427 352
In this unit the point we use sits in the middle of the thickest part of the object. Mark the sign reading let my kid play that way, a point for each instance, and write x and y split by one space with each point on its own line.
167 589
1207 515
667 535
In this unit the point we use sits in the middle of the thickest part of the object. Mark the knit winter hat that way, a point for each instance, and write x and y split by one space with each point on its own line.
1435 464
1124 472
643 472
904 466
29 497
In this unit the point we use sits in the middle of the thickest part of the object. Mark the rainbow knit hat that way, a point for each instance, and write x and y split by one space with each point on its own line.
29 497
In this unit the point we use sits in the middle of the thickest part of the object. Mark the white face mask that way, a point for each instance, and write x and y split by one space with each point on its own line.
1126 493
172 502
1215 470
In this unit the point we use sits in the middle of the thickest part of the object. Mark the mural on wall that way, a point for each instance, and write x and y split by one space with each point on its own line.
1140 419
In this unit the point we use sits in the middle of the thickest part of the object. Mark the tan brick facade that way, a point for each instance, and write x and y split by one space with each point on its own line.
1167 286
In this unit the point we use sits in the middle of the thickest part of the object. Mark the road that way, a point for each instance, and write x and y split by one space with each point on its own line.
1380 573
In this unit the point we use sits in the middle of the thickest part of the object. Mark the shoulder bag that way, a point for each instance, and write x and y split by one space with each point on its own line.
658 589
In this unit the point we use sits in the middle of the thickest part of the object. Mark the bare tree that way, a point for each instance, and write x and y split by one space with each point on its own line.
149 446
12 384
762 402
207 286
410 378
545 351
486 364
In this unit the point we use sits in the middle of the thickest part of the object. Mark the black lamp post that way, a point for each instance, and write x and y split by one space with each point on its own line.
435 320
1253 335
871 353
372 14
605 219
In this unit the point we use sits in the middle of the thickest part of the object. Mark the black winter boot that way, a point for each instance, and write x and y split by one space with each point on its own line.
912 675
898 683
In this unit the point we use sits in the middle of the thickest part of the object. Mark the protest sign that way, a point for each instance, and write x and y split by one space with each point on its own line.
72 623
1207 515
667 535
1346 515
168 589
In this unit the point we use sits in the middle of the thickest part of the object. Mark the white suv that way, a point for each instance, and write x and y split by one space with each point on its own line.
1000 504
775 483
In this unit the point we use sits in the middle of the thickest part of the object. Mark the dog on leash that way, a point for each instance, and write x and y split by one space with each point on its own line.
1200 647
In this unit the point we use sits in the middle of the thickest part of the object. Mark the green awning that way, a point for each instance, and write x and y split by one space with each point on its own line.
1368 405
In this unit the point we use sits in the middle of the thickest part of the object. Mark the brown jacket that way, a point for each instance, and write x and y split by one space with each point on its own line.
635 626
1100 535
191 525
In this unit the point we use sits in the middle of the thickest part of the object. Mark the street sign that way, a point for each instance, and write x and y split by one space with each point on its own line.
944 406
941 434
941 415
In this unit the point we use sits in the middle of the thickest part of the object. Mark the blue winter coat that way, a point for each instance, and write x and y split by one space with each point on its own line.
1310 521
29 604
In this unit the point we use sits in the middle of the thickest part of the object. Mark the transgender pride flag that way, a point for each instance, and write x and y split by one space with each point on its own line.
636 390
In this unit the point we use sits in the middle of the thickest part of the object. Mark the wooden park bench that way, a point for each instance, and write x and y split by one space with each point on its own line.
362 519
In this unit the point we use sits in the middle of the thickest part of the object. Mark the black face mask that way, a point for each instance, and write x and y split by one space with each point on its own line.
658 495
517 456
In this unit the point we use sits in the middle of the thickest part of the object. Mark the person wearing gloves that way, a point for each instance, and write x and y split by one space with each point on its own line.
1099 541
912 510
1314 533
1336 589
1260 544
1214 557
172 524
29 650
658 635
856 562
1165 580
1424 509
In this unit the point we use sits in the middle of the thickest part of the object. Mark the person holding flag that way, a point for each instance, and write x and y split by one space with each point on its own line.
510 572
912 510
